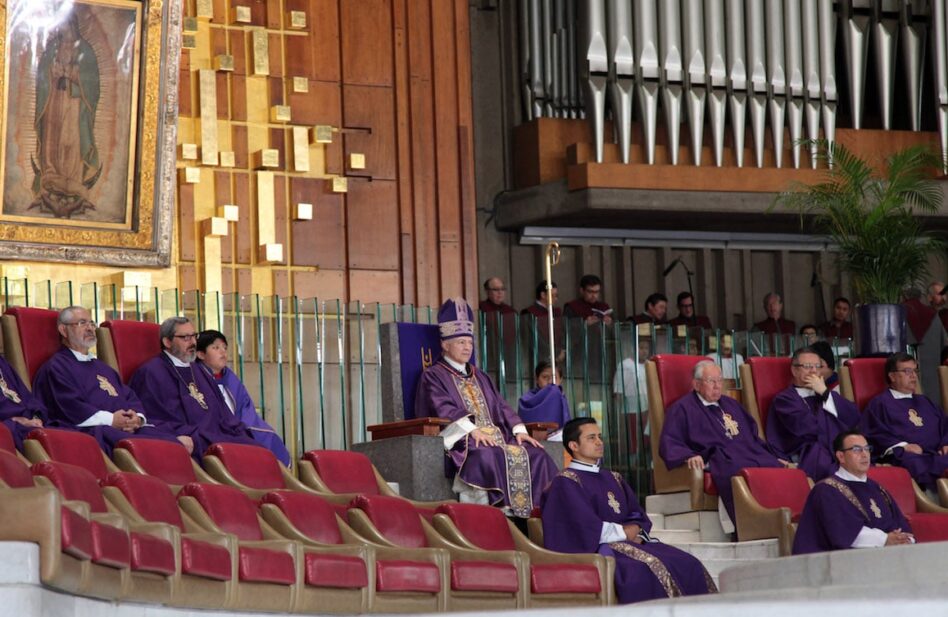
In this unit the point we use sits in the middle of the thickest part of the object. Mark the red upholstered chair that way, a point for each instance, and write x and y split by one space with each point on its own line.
206 562
269 568
400 580
29 339
861 379
763 379
669 377
768 503
347 474
163 459
929 521
476 579
139 559
555 579
252 469
65 446
126 344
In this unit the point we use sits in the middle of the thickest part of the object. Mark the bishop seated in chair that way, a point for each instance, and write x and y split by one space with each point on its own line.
489 453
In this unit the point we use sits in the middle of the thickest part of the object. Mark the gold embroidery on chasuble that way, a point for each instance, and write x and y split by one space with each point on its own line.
7 391
840 486
613 502
572 475
106 386
731 428
197 395
875 508
519 486
672 590
618 477
915 419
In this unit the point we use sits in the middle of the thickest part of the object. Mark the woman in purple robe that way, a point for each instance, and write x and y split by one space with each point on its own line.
20 411
589 509
212 356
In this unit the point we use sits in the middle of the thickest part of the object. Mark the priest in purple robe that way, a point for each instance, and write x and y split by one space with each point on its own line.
84 393
905 428
805 417
706 430
212 357
20 411
589 509
847 509
546 402
491 456
181 397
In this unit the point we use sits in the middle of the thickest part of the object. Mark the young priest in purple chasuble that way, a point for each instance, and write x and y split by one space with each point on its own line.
84 393
804 418
180 396
906 428
848 509
707 430
488 451
590 509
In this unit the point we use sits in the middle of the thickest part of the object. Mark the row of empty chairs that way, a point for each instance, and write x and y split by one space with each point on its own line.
243 533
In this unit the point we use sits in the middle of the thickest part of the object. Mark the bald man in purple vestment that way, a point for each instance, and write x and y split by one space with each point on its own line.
82 392
589 509
905 428
20 411
489 453
804 418
849 510
706 430
181 397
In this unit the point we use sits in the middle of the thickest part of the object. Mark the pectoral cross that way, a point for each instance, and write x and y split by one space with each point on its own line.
915 419
7 392
731 428
613 502
197 394
106 386
875 508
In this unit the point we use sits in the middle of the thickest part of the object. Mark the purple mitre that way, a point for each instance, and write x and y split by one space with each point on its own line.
455 318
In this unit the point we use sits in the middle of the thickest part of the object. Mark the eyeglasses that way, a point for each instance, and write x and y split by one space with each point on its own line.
908 372
82 323
496 289
858 449
712 380
809 367
187 337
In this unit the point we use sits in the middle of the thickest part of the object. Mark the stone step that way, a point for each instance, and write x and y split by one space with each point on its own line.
716 566
751 550
658 520
707 523
668 503
677 536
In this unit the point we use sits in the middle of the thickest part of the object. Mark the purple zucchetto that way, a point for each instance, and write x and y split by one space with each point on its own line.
455 318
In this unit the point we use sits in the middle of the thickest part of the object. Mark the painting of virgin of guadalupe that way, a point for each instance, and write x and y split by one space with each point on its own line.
71 123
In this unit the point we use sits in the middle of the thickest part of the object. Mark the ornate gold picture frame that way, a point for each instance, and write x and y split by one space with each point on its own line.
88 115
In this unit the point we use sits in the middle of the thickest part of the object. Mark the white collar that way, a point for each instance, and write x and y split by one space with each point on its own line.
805 392
581 466
704 402
461 368
177 362
845 475
82 357
899 395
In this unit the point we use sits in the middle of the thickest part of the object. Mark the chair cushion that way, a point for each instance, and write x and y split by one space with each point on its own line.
72 483
262 565
110 546
778 488
394 517
898 483
484 526
6 440
230 509
344 471
484 576
150 497
709 486
564 578
38 336
205 559
166 460
400 575
341 571
675 375
868 378
770 375
312 515
135 343
152 554
75 534
252 466
14 472
74 448
929 527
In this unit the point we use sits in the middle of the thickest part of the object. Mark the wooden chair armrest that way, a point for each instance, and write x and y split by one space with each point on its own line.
924 503
540 430
221 475
363 527
415 426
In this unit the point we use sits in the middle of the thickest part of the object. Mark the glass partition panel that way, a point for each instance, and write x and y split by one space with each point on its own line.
43 294
169 304
16 292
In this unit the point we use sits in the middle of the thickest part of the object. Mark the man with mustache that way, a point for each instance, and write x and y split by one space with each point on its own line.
84 393
181 397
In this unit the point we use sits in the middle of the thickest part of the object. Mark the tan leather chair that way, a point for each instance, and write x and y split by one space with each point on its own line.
768 503
861 379
943 383
942 485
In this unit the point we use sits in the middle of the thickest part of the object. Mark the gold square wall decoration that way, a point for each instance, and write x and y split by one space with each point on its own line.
214 226
322 134
229 212
190 25
267 158
356 160
297 20
303 212
300 84
223 62
270 253
280 113
191 175
188 41
228 159
205 9
189 152
241 14
339 184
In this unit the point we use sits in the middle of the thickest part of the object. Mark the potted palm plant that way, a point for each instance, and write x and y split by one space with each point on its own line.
872 215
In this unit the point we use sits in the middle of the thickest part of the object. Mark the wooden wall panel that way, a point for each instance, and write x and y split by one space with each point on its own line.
238 49
223 195
371 108
372 223
366 33
379 286
324 39
322 240
243 227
